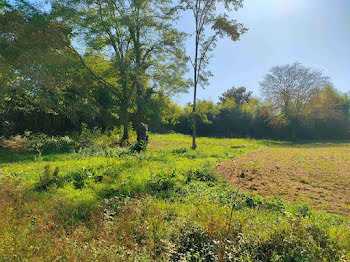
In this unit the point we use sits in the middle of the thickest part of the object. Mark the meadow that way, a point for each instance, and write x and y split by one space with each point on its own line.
230 200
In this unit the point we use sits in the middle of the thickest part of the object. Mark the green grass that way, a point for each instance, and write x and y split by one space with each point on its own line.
163 204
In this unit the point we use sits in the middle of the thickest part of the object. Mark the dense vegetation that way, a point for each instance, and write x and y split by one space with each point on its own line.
81 84
166 204
50 84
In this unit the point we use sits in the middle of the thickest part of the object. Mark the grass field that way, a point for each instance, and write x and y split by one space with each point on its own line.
316 173
168 204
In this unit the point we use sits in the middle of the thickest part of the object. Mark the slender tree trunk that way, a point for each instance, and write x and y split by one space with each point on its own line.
140 100
194 117
125 113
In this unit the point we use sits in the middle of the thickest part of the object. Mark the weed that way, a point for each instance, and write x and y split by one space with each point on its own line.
48 179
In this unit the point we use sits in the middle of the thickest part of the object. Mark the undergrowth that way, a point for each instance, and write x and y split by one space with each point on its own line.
166 204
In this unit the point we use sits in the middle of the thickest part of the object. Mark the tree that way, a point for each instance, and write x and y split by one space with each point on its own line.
208 18
328 114
239 95
204 116
3 4
40 79
138 43
289 88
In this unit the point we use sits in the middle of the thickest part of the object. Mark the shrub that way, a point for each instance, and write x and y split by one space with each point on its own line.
276 204
48 178
300 241
45 144
302 210
204 174
79 179
162 184
87 136
194 244
139 146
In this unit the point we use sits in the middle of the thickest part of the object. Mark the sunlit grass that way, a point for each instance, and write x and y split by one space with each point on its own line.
155 198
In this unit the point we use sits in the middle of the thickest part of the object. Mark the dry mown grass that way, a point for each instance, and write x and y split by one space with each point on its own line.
315 174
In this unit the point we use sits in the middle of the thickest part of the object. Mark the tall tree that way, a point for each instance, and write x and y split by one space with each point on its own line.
289 88
38 74
328 114
210 24
139 43
240 95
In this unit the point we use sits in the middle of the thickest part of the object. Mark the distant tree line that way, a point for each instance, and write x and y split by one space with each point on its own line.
297 103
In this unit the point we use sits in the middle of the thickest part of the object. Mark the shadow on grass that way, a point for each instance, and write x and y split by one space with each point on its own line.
11 155
8 155
319 143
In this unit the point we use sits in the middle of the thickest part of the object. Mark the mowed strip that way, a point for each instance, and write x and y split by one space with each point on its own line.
316 174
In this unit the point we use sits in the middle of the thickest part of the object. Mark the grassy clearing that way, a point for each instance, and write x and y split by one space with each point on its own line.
317 174
166 204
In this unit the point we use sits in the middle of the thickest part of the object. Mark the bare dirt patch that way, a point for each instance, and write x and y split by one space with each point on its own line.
319 176
13 144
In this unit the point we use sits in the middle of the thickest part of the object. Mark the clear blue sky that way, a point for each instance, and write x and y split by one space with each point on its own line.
313 32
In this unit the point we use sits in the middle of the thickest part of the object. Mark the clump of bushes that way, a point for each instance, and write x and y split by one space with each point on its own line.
58 144
45 144
89 142
100 151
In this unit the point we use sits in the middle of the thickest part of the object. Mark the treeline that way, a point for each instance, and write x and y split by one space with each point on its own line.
129 66
326 115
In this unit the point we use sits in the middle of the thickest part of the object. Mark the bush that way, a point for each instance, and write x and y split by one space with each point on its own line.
87 136
203 174
194 244
162 184
139 146
78 178
48 178
44 144
301 241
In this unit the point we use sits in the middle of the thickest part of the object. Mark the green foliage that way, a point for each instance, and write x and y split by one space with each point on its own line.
88 137
54 92
179 151
204 174
45 144
239 95
162 184
166 204
139 146
48 179
194 244
147 62
79 178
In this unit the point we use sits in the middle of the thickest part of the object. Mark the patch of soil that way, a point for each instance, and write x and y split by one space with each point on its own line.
13 144
319 177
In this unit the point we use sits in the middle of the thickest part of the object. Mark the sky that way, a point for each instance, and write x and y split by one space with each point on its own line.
315 33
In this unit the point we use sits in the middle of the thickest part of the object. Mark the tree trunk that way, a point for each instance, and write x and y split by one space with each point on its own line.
125 138
194 118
